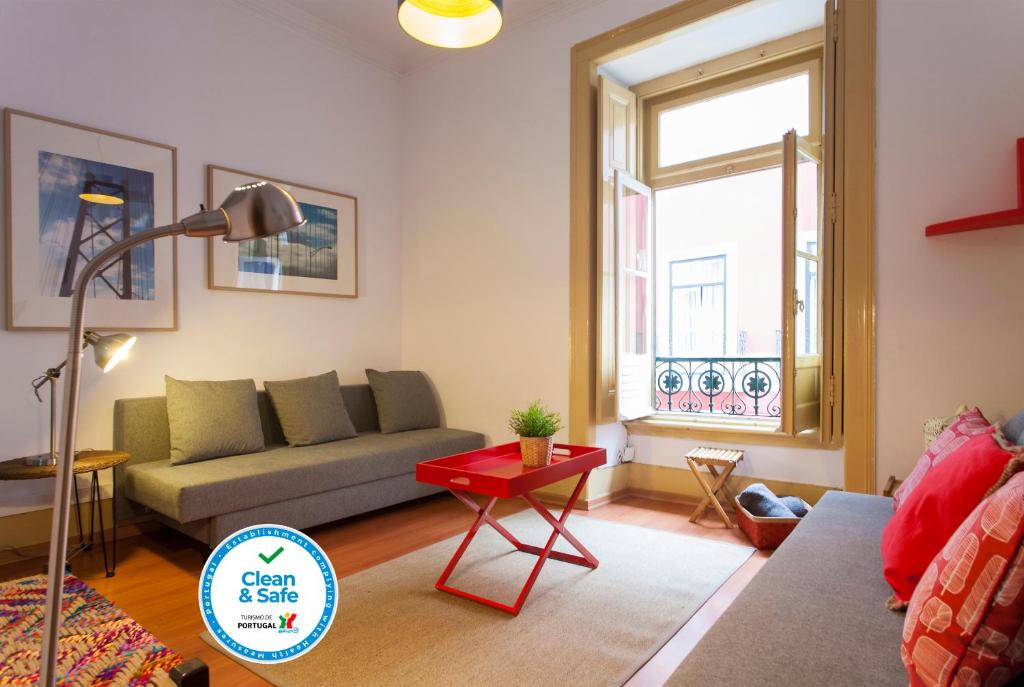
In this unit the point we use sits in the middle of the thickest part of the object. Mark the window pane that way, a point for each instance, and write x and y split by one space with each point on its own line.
635 260
698 271
636 314
719 267
634 227
808 207
698 321
807 318
734 121
808 243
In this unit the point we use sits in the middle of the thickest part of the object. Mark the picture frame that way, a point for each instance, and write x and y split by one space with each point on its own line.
321 258
70 191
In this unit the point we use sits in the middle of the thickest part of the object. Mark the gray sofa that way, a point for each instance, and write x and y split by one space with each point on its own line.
815 613
294 486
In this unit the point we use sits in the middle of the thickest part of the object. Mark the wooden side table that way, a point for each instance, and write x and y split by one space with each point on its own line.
712 459
85 461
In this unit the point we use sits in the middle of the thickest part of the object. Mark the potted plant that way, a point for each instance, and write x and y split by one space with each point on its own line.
536 427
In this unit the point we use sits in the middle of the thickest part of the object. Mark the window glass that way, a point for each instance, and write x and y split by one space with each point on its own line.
808 242
636 265
734 121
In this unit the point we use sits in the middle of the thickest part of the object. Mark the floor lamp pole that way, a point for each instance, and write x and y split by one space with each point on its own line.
252 211
66 457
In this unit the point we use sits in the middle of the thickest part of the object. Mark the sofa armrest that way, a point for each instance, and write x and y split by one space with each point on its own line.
890 485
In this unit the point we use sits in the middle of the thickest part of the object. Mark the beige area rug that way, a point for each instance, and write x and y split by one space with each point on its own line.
578 627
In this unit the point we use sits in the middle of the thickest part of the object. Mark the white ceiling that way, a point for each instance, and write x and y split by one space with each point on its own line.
369 28
743 27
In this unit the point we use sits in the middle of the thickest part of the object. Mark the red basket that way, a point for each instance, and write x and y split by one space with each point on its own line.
765 533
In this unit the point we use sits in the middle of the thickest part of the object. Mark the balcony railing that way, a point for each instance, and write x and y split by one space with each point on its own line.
737 387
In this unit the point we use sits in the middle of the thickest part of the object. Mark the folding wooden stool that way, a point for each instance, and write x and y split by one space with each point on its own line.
712 459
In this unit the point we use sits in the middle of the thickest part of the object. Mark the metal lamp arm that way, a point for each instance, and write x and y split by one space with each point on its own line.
211 223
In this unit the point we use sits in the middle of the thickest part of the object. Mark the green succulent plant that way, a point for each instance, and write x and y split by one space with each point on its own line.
535 421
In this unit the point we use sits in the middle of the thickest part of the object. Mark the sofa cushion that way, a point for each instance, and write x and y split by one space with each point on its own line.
966 425
311 409
937 507
200 490
212 419
812 615
404 399
965 624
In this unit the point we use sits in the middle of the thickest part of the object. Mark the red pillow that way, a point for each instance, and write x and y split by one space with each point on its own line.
943 499
966 425
965 624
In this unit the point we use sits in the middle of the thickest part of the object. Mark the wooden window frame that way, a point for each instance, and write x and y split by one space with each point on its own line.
850 85
736 162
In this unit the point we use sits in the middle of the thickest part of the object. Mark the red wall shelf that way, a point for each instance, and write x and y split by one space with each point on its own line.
1003 218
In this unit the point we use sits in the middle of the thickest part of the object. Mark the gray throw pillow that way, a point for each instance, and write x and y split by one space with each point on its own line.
404 400
1014 429
311 410
212 419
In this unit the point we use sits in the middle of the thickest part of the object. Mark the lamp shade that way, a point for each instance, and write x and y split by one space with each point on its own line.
109 350
260 209
450 23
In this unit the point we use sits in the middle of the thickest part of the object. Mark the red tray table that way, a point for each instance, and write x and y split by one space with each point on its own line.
498 472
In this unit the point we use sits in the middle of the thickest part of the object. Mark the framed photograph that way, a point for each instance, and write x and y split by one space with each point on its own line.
72 191
317 259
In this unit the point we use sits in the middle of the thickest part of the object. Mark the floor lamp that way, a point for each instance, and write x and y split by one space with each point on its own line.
251 211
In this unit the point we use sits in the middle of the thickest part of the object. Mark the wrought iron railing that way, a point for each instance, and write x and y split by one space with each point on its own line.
745 387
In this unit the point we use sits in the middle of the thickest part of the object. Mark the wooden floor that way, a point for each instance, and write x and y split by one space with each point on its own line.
156 581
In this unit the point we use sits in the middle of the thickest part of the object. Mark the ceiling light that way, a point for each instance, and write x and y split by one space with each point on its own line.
450 23
101 198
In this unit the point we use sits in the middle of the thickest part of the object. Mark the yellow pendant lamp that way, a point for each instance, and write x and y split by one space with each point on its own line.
450 23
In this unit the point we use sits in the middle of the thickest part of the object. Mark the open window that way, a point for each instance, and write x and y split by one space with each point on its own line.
715 287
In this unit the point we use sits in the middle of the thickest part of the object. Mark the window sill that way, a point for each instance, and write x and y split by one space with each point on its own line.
765 435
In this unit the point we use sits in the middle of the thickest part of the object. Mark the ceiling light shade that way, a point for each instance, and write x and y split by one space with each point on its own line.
450 23
110 349
260 209
101 198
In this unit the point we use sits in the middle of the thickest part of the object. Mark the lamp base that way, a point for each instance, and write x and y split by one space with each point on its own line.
41 460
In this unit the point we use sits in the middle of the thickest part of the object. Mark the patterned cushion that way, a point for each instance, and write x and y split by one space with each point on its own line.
965 624
965 426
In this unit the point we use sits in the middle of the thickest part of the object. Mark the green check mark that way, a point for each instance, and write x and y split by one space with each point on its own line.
268 559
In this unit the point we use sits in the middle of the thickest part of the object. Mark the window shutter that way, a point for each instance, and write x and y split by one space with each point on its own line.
616 151
635 361
831 263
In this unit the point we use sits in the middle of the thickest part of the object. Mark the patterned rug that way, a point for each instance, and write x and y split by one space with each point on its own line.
99 645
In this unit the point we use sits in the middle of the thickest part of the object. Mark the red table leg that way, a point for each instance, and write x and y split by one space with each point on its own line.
586 559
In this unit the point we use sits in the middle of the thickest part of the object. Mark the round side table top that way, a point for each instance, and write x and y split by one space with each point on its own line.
85 461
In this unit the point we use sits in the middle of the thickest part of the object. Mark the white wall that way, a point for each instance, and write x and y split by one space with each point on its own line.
950 108
225 87
486 219
486 233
